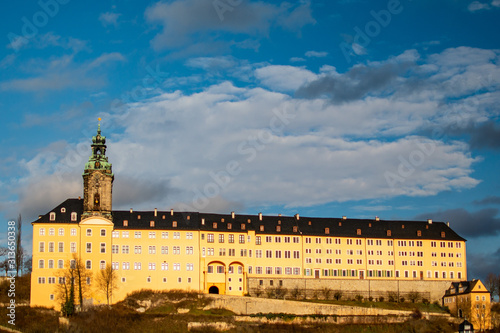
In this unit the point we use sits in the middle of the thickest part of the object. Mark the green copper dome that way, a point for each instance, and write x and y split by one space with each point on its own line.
98 160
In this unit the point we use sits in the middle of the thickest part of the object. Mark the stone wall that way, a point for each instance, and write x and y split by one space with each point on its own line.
252 305
315 288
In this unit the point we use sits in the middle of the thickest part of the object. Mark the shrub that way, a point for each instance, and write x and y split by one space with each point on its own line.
381 299
393 297
370 299
296 293
338 295
402 299
358 298
326 292
414 296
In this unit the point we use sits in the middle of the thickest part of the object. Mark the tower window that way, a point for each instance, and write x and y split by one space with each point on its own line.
73 216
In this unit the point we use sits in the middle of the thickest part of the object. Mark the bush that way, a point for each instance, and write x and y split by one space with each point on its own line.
393 297
296 293
370 299
414 296
381 299
337 295
326 292
402 299
358 298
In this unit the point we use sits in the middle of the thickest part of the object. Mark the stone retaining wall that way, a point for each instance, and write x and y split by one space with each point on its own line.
310 288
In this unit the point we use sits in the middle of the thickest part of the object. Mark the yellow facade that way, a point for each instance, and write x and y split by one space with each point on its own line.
223 260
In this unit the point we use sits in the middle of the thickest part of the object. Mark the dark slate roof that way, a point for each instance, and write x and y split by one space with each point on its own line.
313 226
468 287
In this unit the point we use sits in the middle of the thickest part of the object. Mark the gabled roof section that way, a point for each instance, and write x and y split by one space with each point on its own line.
63 212
466 287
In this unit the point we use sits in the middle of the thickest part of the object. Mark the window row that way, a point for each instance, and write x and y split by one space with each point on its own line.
60 247
52 232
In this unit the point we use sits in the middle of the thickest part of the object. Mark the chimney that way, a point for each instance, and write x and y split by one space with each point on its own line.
377 218
172 212
260 216
232 215
344 217
429 221
131 210
279 214
297 216
156 212
79 198
448 224
202 221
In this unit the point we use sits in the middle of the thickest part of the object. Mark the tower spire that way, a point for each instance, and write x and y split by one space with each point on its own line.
98 179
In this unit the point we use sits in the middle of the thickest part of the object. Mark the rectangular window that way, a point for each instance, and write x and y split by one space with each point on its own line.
103 247
242 239
164 250
124 234
41 247
89 247
137 265
137 249
103 232
152 234
137 234
177 235
115 234
115 249
73 232
296 254
164 235
258 240
89 232
152 266
230 238
51 246
210 238
125 249
152 249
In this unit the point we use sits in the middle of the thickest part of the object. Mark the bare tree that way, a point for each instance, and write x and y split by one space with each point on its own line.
491 284
75 279
19 248
28 264
4 263
107 281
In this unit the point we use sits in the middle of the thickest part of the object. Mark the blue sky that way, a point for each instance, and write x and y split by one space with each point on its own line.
322 108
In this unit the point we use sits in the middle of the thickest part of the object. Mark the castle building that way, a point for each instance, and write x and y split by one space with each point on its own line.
235 254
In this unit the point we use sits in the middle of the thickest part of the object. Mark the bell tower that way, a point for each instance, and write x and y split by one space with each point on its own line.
98 180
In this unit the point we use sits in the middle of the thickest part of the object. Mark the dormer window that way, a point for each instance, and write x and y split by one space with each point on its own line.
443 234
222 220
152 224
358 232
340 224
174 224
327 231
73 216
214 225
261 228
419 233
52 216
125 223
243 226
138 217
63 210
295 228
389 233
229 226
278 228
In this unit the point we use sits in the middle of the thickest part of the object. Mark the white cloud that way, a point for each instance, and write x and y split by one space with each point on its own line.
181 19
109 18
315 54
477 6
284 78
62 73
